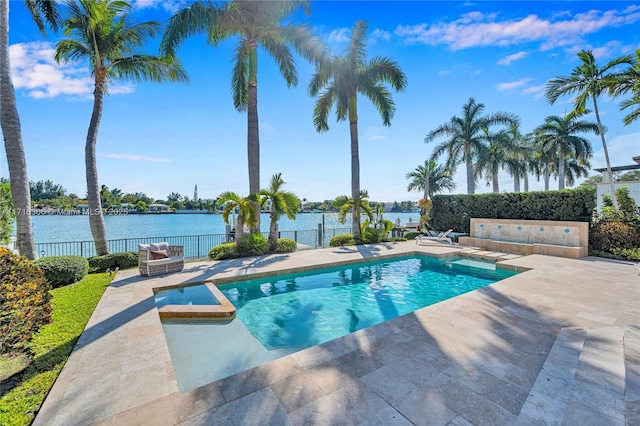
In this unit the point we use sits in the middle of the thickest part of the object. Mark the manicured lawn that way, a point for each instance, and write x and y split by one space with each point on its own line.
72 307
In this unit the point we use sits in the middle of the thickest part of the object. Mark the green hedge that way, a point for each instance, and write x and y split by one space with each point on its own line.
411 235
286 245
63 270
123 260
342 240
24 300
455 211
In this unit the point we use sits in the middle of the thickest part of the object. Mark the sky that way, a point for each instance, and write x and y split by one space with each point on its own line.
164 138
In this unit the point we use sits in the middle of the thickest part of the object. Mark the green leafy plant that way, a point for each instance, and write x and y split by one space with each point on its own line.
611 236
410 235
6 213
24 300
63 270
224 251
629 254
342 240
253 245
394 239
377 228
285 245
124 260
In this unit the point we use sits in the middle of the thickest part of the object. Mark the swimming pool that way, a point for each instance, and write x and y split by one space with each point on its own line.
280 315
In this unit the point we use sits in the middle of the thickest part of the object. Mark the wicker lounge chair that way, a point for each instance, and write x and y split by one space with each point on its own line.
160 258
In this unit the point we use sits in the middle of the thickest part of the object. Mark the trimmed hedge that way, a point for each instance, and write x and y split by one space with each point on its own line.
342 240
124 260
411 235
223 251
63 270
286 245
455 211
24 300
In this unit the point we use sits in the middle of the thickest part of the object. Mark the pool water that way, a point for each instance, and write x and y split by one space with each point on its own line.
284 314
191 295
303 310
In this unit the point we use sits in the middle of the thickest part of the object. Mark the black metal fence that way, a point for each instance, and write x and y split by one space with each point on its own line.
195 246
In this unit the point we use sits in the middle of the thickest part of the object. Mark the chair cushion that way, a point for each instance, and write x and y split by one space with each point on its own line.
159 254
159 246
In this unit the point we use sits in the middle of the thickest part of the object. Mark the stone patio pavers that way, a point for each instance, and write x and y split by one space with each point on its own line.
473 359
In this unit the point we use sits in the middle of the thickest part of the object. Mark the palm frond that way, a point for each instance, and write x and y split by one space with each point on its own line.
239 75
281 53
195 19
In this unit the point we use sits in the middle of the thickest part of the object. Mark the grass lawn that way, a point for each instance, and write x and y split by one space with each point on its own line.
72 307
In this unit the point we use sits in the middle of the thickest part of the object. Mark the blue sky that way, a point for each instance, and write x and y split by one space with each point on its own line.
167 138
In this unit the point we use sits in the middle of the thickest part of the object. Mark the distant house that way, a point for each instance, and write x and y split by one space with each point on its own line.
83 208
127 206
605 188
156 208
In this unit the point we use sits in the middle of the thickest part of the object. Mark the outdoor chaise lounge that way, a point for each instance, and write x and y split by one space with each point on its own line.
441 237
160 258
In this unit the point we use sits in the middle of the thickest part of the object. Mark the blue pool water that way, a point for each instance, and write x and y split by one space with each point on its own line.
191 295
303 310
281 315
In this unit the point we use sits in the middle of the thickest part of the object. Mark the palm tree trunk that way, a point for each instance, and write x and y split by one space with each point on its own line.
426 182
471 183
526 182
516 184
612 187
561 170
10 123
239 230
547 175
253 136
355 164
273 233
496 185
96 220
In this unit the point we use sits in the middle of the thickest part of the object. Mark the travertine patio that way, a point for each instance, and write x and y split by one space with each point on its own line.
558 344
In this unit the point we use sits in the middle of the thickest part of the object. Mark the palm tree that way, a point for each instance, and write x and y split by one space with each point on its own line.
41 12
339 79
558 138
247 215
588 80
574 169
518 161
492 158
467 137
282 203
101 33
431 178
254 23
625 82
347 204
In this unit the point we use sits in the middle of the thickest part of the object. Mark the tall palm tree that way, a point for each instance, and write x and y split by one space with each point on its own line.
588 80
467 137
574 169
102 33
253 23
247 215
346 204
559 139
42 12
625 82
431 178
282 203
518 157
493 157
338 81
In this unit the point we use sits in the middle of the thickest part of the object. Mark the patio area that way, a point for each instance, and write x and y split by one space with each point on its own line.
557 344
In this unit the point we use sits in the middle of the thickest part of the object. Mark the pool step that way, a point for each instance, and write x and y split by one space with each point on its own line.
492 256
583 380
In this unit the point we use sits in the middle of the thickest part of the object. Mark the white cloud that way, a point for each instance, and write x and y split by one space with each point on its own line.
380 34
511 58
536 91
135 157
378 137
621 150
34 69
512 84
478 29
341 35
168 5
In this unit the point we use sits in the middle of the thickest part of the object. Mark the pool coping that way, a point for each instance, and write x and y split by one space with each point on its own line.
121 373
223 311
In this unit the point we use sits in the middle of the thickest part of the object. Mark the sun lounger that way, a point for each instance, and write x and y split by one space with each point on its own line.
441 238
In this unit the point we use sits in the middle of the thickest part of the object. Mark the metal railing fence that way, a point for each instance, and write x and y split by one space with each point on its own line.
195 246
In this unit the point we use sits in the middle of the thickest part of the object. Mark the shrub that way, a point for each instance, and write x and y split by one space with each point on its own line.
224 251
342 240
63 270
628 254
123 260
395 239
286 245
24 300
371 235
611 236
253 245
410 235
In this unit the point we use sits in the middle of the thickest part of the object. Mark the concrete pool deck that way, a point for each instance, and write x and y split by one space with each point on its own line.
558 344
